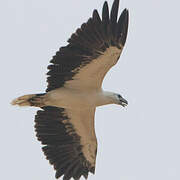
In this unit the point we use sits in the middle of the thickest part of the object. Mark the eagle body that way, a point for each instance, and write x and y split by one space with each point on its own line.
65 122
74 99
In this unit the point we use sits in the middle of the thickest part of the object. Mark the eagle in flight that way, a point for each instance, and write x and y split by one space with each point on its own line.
65 123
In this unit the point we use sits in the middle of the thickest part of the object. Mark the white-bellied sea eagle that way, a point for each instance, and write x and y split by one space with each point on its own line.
65 123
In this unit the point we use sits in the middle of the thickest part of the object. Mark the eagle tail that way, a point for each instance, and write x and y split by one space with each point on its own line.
36 100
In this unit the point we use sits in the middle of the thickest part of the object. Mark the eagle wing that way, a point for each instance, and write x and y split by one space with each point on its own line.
69 140
92 50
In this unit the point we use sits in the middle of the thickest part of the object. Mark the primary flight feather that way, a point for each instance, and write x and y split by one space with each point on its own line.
65 123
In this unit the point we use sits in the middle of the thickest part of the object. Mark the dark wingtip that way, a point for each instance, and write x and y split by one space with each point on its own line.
85 174
105 12
126 23
105 5
126 11
123 26
96 16
92 170
114 11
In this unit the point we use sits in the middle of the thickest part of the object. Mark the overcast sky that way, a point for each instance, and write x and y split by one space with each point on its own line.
140 142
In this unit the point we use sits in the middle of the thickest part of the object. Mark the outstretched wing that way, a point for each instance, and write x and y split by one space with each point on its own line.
69 139
92 50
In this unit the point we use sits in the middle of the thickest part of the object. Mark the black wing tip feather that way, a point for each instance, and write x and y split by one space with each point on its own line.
116 31
123 23
114 11
96 16
105 3
105 12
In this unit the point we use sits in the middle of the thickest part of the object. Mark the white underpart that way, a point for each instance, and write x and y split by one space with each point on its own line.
73 99
82 95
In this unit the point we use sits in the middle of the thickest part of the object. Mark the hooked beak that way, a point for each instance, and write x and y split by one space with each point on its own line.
123 102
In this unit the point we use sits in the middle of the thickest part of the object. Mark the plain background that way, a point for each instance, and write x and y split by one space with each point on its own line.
140 142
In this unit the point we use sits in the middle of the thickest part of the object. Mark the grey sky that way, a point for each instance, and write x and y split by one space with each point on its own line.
140 142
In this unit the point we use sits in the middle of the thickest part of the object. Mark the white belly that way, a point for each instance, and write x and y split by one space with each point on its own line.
68 98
